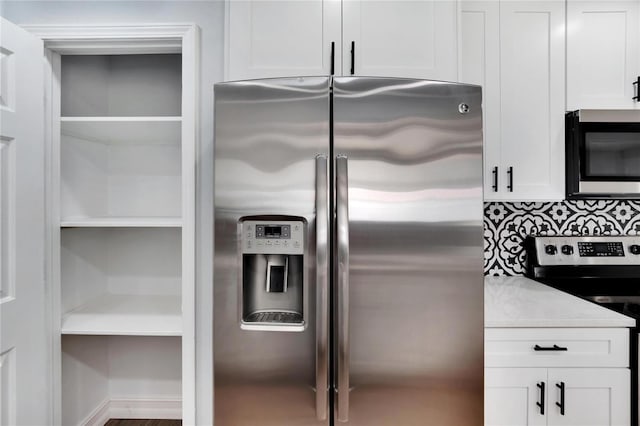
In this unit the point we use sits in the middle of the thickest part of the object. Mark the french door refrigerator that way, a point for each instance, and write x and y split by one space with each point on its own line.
348 262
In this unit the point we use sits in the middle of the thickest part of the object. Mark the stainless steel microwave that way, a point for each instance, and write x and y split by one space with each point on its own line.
603 154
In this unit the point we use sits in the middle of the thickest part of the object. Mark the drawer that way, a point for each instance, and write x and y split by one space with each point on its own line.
574 347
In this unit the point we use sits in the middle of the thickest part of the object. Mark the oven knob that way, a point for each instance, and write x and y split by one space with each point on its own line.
634 249
567 249
550 249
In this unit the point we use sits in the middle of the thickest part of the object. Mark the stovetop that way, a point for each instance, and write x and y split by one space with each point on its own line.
603 269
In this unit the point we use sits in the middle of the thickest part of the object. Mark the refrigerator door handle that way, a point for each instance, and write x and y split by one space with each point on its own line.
322 287
342 230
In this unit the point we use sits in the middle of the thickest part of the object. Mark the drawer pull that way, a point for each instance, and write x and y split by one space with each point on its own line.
549 348
561 403
541 403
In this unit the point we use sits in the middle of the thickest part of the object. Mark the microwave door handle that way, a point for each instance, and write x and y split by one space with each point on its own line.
342 230
322 288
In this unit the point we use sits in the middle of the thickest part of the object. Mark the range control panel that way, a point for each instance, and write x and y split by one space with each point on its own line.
602 250
272 237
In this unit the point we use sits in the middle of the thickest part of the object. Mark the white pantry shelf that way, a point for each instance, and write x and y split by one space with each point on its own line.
122 119
121 222
124 130
126 315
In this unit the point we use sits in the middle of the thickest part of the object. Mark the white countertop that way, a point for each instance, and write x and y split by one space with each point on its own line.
522 302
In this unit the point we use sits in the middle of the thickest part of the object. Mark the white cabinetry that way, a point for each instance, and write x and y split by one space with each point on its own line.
400 38
603 54
281 38
557 376
511 395
515 50
381 38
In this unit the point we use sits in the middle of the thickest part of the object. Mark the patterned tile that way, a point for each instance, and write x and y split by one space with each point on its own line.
506 225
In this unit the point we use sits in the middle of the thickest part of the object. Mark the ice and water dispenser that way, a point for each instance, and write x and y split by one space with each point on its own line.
273 276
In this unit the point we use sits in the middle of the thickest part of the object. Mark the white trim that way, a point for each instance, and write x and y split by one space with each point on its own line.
190 132
99 416
112 39
52 219
122 408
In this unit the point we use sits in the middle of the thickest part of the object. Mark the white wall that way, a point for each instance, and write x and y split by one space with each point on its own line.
209 16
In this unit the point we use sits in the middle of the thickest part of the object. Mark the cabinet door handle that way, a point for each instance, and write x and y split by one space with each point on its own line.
550 348
333 58
510 174
561 403
637 84
495 179
353 57
540 404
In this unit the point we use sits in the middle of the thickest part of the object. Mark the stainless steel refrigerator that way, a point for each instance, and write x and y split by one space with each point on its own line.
348 280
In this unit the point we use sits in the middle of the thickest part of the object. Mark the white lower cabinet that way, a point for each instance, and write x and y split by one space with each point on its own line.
511 394
557 396
589 396
557 376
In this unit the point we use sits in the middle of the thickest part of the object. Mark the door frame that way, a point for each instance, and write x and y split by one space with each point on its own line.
122 39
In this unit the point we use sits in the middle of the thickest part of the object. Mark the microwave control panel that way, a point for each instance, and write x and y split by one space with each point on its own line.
272 237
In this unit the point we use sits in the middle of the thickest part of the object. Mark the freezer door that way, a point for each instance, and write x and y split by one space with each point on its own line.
271 142
408 282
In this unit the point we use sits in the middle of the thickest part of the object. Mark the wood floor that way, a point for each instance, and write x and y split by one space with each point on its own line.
143 422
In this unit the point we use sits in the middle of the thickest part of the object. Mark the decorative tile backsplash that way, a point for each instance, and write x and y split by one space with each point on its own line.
506 225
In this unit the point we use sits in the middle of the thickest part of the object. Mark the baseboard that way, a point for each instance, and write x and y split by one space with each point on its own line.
122 408
145 408
99 416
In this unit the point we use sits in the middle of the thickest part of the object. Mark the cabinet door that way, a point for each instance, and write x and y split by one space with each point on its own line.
400 38
268 38
592 396
25 356
532 103
603 49
480 64
511 396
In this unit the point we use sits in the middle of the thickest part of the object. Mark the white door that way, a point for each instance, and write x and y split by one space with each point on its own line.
603 53
400 38
592 396
24 346
532 102
512 395
271 38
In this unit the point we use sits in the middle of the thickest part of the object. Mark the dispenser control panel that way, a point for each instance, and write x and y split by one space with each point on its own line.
272 237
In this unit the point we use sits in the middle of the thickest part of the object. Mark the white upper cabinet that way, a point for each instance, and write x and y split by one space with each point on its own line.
603 54
516 49
400 38
282 38
268 38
